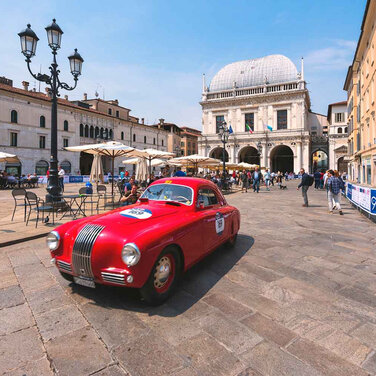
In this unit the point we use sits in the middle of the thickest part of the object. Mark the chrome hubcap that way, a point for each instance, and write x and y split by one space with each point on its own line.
162 272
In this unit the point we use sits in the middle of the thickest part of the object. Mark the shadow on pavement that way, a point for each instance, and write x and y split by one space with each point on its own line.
196 282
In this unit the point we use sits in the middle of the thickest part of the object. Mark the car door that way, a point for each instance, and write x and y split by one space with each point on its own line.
213 218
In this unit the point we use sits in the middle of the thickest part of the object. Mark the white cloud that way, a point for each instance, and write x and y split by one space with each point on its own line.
334 57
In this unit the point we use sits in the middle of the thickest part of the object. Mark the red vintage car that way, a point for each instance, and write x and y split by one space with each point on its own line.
148 245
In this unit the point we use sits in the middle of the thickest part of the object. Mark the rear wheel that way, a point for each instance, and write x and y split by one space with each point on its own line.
163 277
231 242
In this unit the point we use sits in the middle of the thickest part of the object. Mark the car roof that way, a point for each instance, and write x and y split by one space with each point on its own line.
189 182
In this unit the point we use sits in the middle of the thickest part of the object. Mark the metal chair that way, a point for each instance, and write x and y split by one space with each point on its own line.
36 203
102 192
19 196
90 200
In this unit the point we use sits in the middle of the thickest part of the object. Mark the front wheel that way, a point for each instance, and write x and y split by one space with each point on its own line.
163 277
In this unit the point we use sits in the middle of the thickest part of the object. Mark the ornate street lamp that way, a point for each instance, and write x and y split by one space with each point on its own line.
259 148
224 133
28 47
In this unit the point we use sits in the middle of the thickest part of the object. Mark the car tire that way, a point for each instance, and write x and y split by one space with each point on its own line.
66 276
232 241
160 285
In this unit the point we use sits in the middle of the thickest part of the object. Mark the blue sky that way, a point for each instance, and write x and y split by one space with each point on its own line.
151 54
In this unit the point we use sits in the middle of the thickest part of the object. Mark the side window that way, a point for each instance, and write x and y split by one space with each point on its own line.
207 197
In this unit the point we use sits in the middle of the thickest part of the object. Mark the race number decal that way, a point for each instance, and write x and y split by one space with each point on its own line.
136 213
219 223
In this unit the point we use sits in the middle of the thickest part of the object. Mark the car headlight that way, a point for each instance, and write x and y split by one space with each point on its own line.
130 254
53 240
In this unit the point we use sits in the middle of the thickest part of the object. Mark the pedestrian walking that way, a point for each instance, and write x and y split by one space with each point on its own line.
256 177
61 174
305 184
244 180
317 177
335 186
267 178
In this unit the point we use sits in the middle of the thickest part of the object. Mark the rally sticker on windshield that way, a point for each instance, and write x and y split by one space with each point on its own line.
219 223
136 213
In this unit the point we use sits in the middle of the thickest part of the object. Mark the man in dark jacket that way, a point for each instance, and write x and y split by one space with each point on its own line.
256 178
305 185
317 177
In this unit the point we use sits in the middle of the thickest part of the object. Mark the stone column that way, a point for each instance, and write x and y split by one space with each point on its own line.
298 160
264 156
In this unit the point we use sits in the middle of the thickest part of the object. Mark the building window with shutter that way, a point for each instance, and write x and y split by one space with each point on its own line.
110 111
117 114
13 139
65 142
282 119
339 117
42 142
42 122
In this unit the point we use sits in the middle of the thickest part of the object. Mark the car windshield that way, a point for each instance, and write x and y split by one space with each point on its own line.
169 192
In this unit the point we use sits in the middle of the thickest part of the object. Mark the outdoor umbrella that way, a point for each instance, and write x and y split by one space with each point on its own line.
96 173
247 166
141 170
154 163
5 157
196 161
150 154
110 149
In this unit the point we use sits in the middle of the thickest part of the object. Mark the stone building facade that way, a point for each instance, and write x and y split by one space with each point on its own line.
337 120
25 118
254 96
361 91
189 140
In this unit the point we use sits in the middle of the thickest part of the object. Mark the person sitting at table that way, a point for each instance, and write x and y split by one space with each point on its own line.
12 181
131 196
128 185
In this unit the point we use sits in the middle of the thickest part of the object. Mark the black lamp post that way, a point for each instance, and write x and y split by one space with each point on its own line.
259 148
28 47
224 133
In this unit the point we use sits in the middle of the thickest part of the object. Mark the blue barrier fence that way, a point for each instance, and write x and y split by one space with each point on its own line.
362 197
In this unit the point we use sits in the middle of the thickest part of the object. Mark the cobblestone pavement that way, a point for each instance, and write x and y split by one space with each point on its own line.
295 297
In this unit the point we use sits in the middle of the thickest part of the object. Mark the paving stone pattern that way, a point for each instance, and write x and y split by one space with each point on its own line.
296 296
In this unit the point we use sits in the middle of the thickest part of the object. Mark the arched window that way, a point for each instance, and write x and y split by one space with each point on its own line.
346 129
110 134
96 132
66 125
162 143
66 166
101 134
134 137
339 130
91 132
105 134
41 167
122 135
42 122
154 141
14 117
81 130
86 130
144 139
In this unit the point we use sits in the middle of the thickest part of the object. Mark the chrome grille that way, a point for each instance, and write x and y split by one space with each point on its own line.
113 278
64 266
81 255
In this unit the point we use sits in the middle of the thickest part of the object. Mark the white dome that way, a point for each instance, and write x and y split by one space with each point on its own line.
273 69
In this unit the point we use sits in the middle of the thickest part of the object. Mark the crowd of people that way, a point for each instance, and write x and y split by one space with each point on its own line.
12 180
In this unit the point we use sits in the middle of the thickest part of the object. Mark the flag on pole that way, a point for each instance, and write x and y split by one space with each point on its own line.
248 128
268 127
230 131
